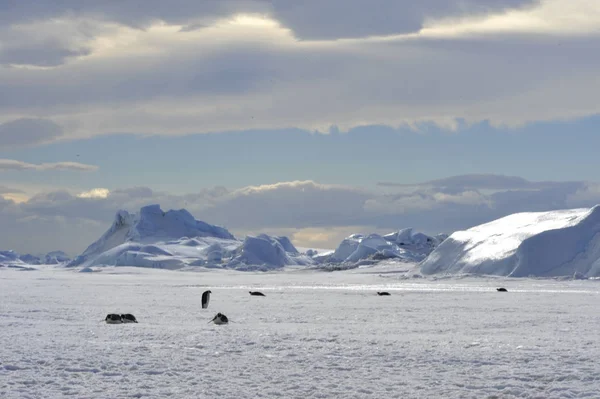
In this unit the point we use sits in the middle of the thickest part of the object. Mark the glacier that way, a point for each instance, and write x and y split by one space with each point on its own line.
540 244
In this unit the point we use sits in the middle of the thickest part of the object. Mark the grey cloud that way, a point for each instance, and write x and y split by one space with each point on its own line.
9 190
316 19
46 53
221 89
309 19
135 13
28 131
52 46
11 164
134 192
297 204
477 181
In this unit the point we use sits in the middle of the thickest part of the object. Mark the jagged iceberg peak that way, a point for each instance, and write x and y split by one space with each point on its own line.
405 244
152 225
154 222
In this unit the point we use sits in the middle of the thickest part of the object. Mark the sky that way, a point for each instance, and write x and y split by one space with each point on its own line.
312 119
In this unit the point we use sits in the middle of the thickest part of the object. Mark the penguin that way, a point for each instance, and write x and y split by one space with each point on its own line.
205 298
219 319
128 318
256 293
383 293
501 289
113 318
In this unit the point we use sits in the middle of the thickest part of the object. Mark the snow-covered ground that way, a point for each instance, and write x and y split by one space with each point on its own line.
314 335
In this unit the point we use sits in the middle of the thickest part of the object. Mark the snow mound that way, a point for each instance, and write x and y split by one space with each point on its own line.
175 240
404 244
541 244
265 250
56 257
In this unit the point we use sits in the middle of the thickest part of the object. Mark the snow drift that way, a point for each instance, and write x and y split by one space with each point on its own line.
265 250
541 244
175 240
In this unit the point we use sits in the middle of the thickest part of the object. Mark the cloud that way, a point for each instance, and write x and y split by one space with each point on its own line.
11 164
28 131
312 214
194 68
95 193
476 181
9 190
547 17
44 43
424 200
315 20
134 13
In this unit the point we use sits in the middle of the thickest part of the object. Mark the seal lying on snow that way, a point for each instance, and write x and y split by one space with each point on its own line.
128 318
113 318
220 318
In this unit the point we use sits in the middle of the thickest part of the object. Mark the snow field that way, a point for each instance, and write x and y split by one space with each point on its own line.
315 335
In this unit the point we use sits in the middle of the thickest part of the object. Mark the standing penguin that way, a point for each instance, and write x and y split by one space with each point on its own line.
205 299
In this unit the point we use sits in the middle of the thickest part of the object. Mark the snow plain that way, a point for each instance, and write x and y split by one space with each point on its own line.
315 335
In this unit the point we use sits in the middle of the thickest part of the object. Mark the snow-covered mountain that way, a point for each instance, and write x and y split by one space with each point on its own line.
12 258
404 244
175 240
543 244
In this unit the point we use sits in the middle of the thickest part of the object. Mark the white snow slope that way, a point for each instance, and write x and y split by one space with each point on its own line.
314 335
543 244
175 240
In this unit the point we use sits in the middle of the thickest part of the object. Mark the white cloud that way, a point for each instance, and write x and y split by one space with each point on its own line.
94 193
557 17
11 164
13 194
